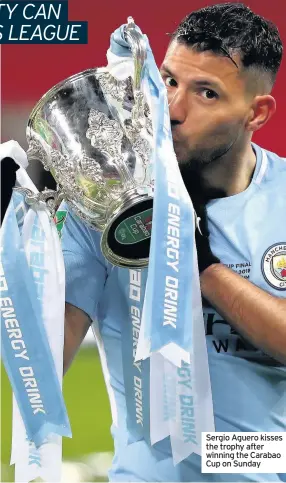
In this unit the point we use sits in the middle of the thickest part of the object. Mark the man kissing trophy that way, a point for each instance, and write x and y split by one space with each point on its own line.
105 136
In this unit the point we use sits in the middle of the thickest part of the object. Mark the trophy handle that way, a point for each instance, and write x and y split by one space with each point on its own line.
137 44
50 198
138 48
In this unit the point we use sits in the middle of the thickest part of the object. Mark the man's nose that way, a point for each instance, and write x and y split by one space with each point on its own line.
178 107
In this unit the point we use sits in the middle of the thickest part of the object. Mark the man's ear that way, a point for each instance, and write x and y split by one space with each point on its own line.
263 108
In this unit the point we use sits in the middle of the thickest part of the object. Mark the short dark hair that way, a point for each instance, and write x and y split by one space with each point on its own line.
230 28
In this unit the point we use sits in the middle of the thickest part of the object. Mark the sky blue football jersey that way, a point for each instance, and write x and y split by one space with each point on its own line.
248 234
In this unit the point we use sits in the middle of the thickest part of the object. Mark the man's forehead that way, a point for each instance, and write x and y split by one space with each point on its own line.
184 61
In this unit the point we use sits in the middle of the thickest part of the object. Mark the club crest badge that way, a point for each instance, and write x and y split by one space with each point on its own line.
273 266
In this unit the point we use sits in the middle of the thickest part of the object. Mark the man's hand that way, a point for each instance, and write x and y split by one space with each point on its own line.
205 255
77 324
200 196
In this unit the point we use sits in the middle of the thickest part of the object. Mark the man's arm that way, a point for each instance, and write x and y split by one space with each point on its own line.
77 324
257 315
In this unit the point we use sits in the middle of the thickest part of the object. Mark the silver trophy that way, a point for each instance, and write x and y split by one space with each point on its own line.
93 132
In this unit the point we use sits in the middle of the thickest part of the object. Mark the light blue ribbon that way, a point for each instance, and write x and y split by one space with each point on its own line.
158 270
46 413
136 375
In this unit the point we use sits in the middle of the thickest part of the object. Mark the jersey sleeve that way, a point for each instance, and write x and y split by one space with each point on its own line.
85 266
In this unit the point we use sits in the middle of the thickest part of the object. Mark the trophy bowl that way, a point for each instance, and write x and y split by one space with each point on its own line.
93 132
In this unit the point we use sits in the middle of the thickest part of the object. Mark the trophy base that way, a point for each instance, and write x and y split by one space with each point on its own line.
126 240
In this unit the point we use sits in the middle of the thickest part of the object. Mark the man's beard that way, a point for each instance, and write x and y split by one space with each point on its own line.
192 168
198 159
